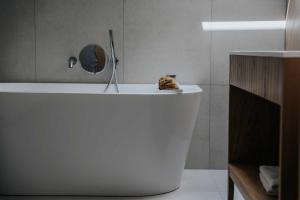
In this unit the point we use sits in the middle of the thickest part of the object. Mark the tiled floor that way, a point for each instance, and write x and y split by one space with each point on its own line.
196 185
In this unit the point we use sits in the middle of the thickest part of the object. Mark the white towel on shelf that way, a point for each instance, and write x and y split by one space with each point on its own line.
270 174
268 188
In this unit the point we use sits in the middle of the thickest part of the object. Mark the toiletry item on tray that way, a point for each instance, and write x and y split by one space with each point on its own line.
269 178
169 82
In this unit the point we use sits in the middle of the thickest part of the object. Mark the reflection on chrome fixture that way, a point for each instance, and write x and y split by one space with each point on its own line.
243 25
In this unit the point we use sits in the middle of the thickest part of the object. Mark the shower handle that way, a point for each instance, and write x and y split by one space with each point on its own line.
72 62
114 62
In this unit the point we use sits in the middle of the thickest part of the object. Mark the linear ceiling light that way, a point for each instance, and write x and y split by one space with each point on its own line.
243 25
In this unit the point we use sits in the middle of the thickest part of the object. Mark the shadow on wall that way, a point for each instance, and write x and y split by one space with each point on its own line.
17 61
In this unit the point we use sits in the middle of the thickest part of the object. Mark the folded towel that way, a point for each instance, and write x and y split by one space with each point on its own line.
270 174
271 184
269 189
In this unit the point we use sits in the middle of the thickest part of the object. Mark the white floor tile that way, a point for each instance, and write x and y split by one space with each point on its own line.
196 185
220 179
223 195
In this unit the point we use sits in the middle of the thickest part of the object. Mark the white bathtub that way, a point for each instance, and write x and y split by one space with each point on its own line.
72 139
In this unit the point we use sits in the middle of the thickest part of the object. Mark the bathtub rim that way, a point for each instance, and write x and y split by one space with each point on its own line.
93 89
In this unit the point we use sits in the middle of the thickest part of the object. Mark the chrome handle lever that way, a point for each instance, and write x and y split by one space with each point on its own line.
72 62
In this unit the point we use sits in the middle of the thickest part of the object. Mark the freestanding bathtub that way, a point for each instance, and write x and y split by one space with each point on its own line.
72 139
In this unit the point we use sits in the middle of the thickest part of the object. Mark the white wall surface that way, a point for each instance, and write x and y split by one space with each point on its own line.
153 38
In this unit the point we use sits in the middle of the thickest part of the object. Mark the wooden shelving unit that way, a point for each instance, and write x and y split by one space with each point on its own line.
264 122
246 176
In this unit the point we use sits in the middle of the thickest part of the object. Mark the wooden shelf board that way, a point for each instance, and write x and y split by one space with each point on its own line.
246 178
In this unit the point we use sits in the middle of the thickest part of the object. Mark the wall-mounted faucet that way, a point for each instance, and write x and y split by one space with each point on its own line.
94 59
72 62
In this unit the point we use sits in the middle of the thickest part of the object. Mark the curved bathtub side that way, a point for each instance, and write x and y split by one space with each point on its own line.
81 144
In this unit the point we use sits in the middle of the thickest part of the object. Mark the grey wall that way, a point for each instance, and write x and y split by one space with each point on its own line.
153 38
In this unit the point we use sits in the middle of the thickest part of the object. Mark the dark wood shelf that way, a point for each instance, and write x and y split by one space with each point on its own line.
264 115
246 178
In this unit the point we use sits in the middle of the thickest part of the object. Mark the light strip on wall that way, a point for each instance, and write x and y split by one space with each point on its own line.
243 25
